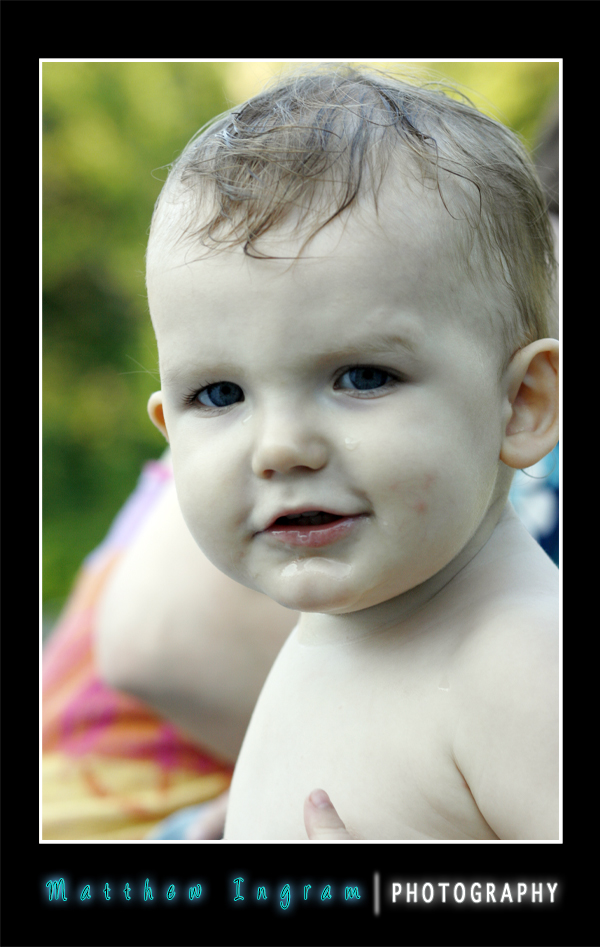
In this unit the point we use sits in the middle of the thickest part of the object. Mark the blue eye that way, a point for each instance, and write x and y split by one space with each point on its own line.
364 378
220 395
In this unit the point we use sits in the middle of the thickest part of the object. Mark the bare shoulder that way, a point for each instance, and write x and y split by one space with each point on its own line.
516 641
506 740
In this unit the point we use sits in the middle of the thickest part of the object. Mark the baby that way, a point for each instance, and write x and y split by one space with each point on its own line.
351 281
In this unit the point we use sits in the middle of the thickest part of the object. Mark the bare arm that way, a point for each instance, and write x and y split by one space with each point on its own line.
507 744
177 633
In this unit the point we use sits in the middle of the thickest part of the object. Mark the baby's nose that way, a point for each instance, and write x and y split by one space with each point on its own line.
286 443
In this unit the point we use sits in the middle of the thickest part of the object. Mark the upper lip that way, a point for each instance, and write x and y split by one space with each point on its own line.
307 508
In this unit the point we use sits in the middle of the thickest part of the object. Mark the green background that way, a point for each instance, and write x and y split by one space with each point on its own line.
108 131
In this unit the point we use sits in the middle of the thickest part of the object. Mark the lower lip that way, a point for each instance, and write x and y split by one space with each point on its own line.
312 537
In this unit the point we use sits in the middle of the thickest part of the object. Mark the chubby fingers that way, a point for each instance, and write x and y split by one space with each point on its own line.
321 820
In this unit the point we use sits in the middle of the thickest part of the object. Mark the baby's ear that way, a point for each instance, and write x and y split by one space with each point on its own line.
533 396
155 410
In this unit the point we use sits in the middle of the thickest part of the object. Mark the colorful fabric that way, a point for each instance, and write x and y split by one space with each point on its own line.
111 768
176 826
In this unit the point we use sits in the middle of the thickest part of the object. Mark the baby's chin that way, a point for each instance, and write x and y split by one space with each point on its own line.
315 584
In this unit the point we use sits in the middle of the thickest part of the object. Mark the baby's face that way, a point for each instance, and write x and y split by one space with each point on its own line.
360 382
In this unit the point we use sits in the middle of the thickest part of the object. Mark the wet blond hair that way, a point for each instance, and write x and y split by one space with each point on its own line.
322 137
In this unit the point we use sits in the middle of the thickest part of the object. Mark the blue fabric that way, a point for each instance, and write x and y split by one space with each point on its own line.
175 826
535 497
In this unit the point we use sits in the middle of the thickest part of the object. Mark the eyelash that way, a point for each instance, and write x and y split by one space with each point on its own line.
191 398
393 379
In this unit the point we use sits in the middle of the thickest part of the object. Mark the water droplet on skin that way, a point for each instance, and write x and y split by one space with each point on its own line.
330 568
350 443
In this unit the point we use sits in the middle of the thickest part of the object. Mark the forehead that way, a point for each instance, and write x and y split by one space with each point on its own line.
408 254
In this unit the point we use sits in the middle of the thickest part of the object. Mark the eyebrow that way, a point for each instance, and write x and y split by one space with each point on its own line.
375 344
178 374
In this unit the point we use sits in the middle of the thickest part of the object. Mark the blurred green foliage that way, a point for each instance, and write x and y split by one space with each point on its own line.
109 129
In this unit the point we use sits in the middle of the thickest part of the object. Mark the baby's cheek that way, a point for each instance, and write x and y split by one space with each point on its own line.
422 500
414 493
201 514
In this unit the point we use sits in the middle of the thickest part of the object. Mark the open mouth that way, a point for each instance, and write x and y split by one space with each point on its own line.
312 528
310 518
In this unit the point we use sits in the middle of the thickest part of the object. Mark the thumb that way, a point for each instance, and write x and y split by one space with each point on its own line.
321 820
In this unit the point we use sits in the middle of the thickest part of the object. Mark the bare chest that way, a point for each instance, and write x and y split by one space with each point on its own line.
375 737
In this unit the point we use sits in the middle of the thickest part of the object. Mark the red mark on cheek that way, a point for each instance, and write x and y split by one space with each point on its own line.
421 505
